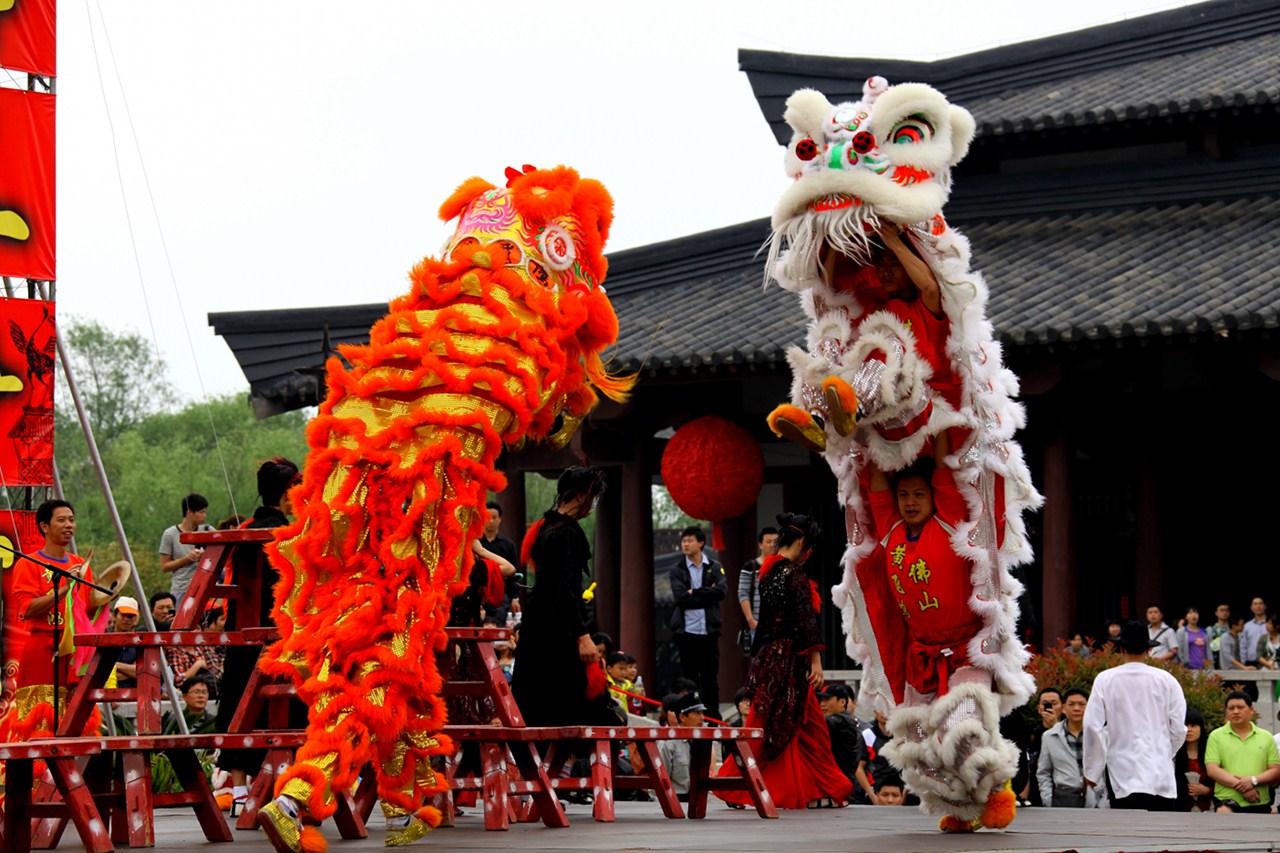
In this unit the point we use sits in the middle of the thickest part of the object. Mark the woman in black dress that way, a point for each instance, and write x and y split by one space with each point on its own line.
796 763
556 655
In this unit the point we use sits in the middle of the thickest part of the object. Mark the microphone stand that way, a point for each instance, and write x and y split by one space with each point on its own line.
58 574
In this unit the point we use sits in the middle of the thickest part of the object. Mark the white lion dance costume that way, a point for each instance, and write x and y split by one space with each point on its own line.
876 389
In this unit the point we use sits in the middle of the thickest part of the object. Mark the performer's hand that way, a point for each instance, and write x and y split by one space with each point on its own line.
1090 783
587 649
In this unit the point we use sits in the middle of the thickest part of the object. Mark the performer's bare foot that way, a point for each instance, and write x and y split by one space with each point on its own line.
842 404
795 424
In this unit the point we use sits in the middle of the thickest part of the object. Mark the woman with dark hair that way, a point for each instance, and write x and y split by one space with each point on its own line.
1195 788
557 679
786 665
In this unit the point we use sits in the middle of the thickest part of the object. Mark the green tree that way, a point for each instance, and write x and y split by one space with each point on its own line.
120 377
167 455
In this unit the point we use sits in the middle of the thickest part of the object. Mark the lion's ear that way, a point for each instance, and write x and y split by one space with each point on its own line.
963 129
463 196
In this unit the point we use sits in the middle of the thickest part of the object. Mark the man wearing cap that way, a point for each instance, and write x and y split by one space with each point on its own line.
848 747
126 612
1134 723
689 711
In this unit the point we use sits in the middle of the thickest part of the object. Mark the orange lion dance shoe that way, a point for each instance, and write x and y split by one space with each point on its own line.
795 424
842 403
1002 808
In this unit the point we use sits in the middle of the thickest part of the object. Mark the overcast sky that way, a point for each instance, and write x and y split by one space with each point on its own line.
297 151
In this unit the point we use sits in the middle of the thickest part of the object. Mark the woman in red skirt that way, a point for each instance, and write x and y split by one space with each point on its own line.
797 763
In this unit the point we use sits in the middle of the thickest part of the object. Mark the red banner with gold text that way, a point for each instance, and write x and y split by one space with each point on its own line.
28 36
27 184
28 345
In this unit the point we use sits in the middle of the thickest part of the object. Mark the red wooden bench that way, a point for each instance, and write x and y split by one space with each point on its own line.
60 758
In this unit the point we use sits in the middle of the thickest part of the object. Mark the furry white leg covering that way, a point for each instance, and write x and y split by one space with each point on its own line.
950 751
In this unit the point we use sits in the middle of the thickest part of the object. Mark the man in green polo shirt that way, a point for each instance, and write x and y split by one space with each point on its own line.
1242 759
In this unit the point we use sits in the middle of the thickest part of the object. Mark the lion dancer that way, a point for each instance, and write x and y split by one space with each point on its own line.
498 343
900 370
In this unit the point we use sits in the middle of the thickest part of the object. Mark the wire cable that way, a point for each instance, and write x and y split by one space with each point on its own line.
204 394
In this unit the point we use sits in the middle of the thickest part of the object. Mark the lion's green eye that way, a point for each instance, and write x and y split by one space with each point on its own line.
911 130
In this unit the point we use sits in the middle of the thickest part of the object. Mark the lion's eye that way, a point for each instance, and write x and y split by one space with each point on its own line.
911 130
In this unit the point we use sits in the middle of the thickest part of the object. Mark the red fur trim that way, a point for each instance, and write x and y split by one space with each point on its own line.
768 563
530 536
1002 808
312 841
463 196
815 595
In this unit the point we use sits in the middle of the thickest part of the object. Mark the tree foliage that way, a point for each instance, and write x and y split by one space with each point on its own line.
153 450
120 377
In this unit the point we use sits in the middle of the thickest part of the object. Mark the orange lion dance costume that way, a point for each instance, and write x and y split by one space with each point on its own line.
498 343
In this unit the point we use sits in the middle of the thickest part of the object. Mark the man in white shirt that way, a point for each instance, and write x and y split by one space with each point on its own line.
1134 724
1164 640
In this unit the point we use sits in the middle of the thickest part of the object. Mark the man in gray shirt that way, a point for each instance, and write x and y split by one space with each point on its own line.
1254 630
179 558
749 576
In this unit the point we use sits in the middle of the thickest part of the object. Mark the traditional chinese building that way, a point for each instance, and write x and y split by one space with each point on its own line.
1123 200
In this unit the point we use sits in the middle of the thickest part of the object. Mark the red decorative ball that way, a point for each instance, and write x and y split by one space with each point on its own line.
713 469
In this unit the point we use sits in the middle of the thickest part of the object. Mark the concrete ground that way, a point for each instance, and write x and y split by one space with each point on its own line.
859 829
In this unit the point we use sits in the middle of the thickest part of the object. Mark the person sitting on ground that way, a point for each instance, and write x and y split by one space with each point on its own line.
848 747
205 661
688 711
196 692
667 714
163 607
742 707
1242 760
890 791
506 651
617 667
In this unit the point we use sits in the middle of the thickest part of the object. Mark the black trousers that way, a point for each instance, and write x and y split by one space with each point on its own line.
1145 802
700 662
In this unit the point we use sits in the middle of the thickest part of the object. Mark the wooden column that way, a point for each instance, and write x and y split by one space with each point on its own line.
1148 571
733 666
1058 607
636 631
608 555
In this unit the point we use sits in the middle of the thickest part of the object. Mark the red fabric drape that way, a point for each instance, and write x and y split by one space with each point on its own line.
28 37
27 184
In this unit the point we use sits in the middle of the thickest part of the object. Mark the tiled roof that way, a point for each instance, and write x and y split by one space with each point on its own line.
698 302
1211 56
1154 272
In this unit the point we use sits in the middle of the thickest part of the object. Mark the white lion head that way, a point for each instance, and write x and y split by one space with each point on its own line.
886 157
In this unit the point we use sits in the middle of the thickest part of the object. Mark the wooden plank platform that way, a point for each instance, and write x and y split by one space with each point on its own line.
857 829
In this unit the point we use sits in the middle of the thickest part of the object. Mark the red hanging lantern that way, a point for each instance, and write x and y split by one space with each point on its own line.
713 469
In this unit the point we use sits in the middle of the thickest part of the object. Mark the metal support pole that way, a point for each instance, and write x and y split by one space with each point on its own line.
144 612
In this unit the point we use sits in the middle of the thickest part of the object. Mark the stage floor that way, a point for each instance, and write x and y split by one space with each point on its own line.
863 829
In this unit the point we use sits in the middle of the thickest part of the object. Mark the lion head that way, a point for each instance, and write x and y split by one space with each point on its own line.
885 157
